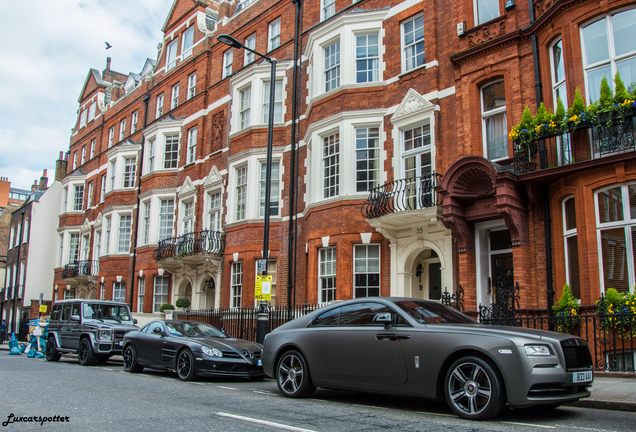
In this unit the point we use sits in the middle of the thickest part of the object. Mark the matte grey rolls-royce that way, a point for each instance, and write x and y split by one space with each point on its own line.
422 348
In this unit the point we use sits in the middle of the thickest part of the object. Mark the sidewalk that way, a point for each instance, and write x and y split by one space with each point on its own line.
610 393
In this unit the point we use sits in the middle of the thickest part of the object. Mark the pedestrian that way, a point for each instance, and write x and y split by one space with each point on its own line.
3 331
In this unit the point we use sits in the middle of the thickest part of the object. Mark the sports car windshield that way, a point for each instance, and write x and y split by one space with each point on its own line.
433 313
194 330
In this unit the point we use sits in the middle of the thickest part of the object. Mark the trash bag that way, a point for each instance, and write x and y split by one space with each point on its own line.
13 345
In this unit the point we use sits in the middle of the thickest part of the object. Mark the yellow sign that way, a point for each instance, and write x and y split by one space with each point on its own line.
263 288
43 308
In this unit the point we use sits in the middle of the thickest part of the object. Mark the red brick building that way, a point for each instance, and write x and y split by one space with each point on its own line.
407 181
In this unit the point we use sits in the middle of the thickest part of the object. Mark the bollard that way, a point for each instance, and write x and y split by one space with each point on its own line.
262 323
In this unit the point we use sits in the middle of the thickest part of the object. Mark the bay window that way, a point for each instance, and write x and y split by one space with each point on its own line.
366 270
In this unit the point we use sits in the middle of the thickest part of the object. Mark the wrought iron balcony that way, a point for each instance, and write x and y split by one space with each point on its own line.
401 195
194 243
583 143
85 268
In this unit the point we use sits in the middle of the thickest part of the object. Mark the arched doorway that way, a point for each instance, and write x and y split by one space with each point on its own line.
185 291
208 290
428 275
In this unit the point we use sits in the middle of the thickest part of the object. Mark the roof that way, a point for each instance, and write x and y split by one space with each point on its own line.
92 73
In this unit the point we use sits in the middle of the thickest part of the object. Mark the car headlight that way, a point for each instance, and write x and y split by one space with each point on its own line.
538 350
105 334
212 352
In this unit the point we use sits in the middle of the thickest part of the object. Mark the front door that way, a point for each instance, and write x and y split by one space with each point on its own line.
502 279
435 281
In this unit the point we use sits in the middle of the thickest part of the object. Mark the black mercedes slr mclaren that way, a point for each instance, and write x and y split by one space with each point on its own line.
191 349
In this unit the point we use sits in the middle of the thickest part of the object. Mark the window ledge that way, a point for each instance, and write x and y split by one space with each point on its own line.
428 65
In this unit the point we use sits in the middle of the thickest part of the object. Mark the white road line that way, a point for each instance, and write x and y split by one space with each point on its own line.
108 369
369 406
531 424
584 428
265 422
197 383
436 414
263 392
227 388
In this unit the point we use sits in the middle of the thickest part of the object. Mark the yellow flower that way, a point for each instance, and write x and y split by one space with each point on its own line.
574 118
537 128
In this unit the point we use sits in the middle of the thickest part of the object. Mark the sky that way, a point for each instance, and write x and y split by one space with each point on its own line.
46 50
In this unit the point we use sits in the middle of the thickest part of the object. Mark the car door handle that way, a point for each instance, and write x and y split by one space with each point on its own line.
391 336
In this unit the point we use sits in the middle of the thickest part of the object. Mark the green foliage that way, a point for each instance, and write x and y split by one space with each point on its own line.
183 302
566 311
559 115
605 97
578 104
526 117
166 306
621 93
617 312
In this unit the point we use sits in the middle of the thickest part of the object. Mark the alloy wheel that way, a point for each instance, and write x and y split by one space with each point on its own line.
290 373
184 365
129 358
469 388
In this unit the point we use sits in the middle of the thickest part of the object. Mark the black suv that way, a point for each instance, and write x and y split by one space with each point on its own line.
94 329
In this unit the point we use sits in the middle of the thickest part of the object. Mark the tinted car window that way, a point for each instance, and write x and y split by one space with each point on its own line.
329 318
75 309
361 314
145 329
66 312
57 313
433 313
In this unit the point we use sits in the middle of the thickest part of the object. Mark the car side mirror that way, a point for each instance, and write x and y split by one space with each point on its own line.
157 331
135 321
75 318
383 318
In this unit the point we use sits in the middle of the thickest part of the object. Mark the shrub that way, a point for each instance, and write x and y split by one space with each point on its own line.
166 306
183 302
566 311
617 311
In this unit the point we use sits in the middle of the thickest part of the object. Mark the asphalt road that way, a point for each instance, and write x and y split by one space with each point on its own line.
105 398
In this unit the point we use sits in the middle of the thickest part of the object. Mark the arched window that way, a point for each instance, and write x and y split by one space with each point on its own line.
493 115
571 246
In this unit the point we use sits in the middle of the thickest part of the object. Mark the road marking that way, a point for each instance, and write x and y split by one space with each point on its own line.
268 393
436 414
265 422
369 406
197 383
227 388
530 424
108 369
584 428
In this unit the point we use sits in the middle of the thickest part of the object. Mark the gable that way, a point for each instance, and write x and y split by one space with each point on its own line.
93 82
178 11
412 105
187 188
213 178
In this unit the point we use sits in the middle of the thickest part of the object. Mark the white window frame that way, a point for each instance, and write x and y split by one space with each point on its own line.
567 234
214 218
78 198
188 34
145 227
476 12
404 47
159 107
103 188
133 122
89 199
192 86
129 172
192 145
171 54
278 101
92 151
327 256
326 141
187 216
377 149
160 297
111 136
141 294
275 204
245 107
273 31
366 263
168 222
627 223
236 284
240 192
375 72
83 158
250 42
331 67
122 129
327 9
492 113
228 57
175 160
92 109
174 99
121 235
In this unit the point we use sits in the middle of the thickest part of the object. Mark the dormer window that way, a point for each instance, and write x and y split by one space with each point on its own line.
91 111
188 42
171 56
83 118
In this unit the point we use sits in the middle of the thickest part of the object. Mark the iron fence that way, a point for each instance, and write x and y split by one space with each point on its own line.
612 339
192 243
401 195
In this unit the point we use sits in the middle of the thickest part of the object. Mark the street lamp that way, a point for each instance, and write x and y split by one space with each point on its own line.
232 42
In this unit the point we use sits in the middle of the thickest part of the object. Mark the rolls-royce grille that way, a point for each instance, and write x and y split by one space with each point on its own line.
577 354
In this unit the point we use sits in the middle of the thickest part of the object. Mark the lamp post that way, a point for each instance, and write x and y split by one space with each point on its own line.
230 41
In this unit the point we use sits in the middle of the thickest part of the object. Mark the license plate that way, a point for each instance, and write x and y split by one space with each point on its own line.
579 377
259 362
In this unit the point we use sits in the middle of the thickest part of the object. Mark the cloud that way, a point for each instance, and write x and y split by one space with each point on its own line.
47 49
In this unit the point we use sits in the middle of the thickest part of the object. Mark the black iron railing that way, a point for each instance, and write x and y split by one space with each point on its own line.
194 243
401 195
241 322
81 268
580 144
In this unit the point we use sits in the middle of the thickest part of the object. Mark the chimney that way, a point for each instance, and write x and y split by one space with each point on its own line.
5 187
108 59
60 167
34 186
44 181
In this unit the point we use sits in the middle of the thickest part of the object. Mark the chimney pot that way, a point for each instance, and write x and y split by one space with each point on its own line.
108 60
